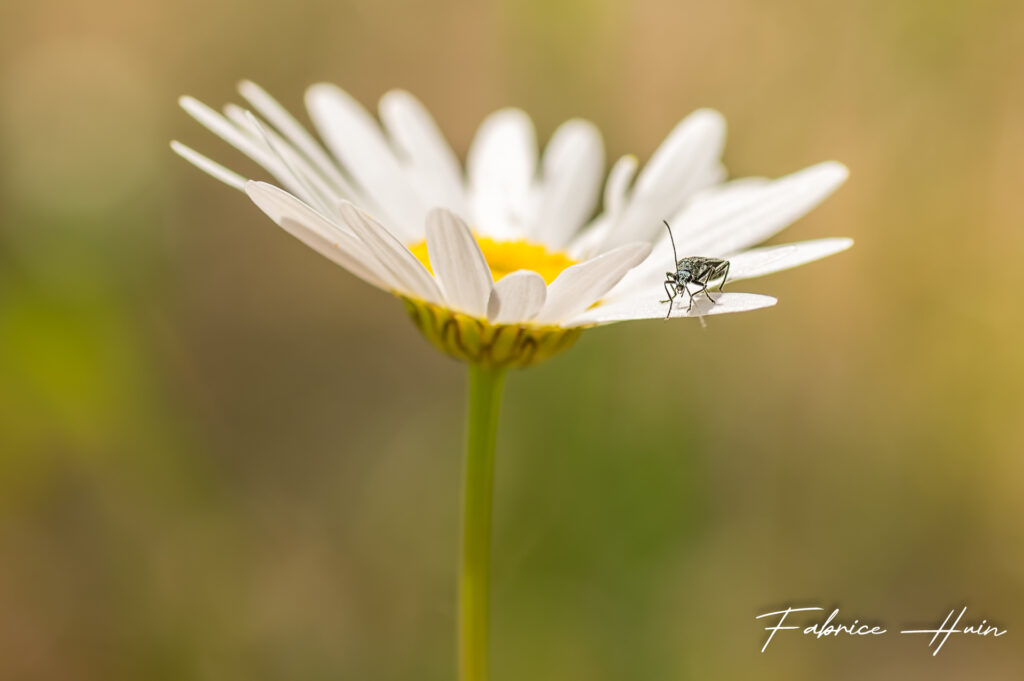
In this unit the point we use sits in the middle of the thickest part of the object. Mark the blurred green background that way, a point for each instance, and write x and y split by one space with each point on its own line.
222 457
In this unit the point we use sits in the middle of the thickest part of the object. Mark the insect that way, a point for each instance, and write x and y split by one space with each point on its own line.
695 269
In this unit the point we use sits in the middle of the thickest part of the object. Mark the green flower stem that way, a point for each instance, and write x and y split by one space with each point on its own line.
485 385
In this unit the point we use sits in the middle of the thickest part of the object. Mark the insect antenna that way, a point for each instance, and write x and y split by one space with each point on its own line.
675 257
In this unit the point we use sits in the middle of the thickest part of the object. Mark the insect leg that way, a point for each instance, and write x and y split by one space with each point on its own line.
690 304
671 299
725 275
721 269
705 292
668 291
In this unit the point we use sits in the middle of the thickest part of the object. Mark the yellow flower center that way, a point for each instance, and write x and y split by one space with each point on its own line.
505 257
478 341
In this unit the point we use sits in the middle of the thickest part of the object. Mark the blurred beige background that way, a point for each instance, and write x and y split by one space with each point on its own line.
221 457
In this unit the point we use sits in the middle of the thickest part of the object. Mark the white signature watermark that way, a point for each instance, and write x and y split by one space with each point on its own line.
953 624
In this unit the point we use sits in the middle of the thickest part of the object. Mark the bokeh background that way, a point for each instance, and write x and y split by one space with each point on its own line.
222 457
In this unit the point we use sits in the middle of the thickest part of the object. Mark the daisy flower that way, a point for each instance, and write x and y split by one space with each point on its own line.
502 264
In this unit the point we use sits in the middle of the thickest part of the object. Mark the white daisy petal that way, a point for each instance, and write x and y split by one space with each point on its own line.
516 297
687 157
327 238
459 265
357 141
212 168
571 178
297 134
732 218
242 140
761 261
314 190
302 178
619 179
686 162
648 274
280 206
230 133
616 189
412 277
436 170
501 165
588 242
330 248
649 307
579 286
715 175
716 205
218 125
